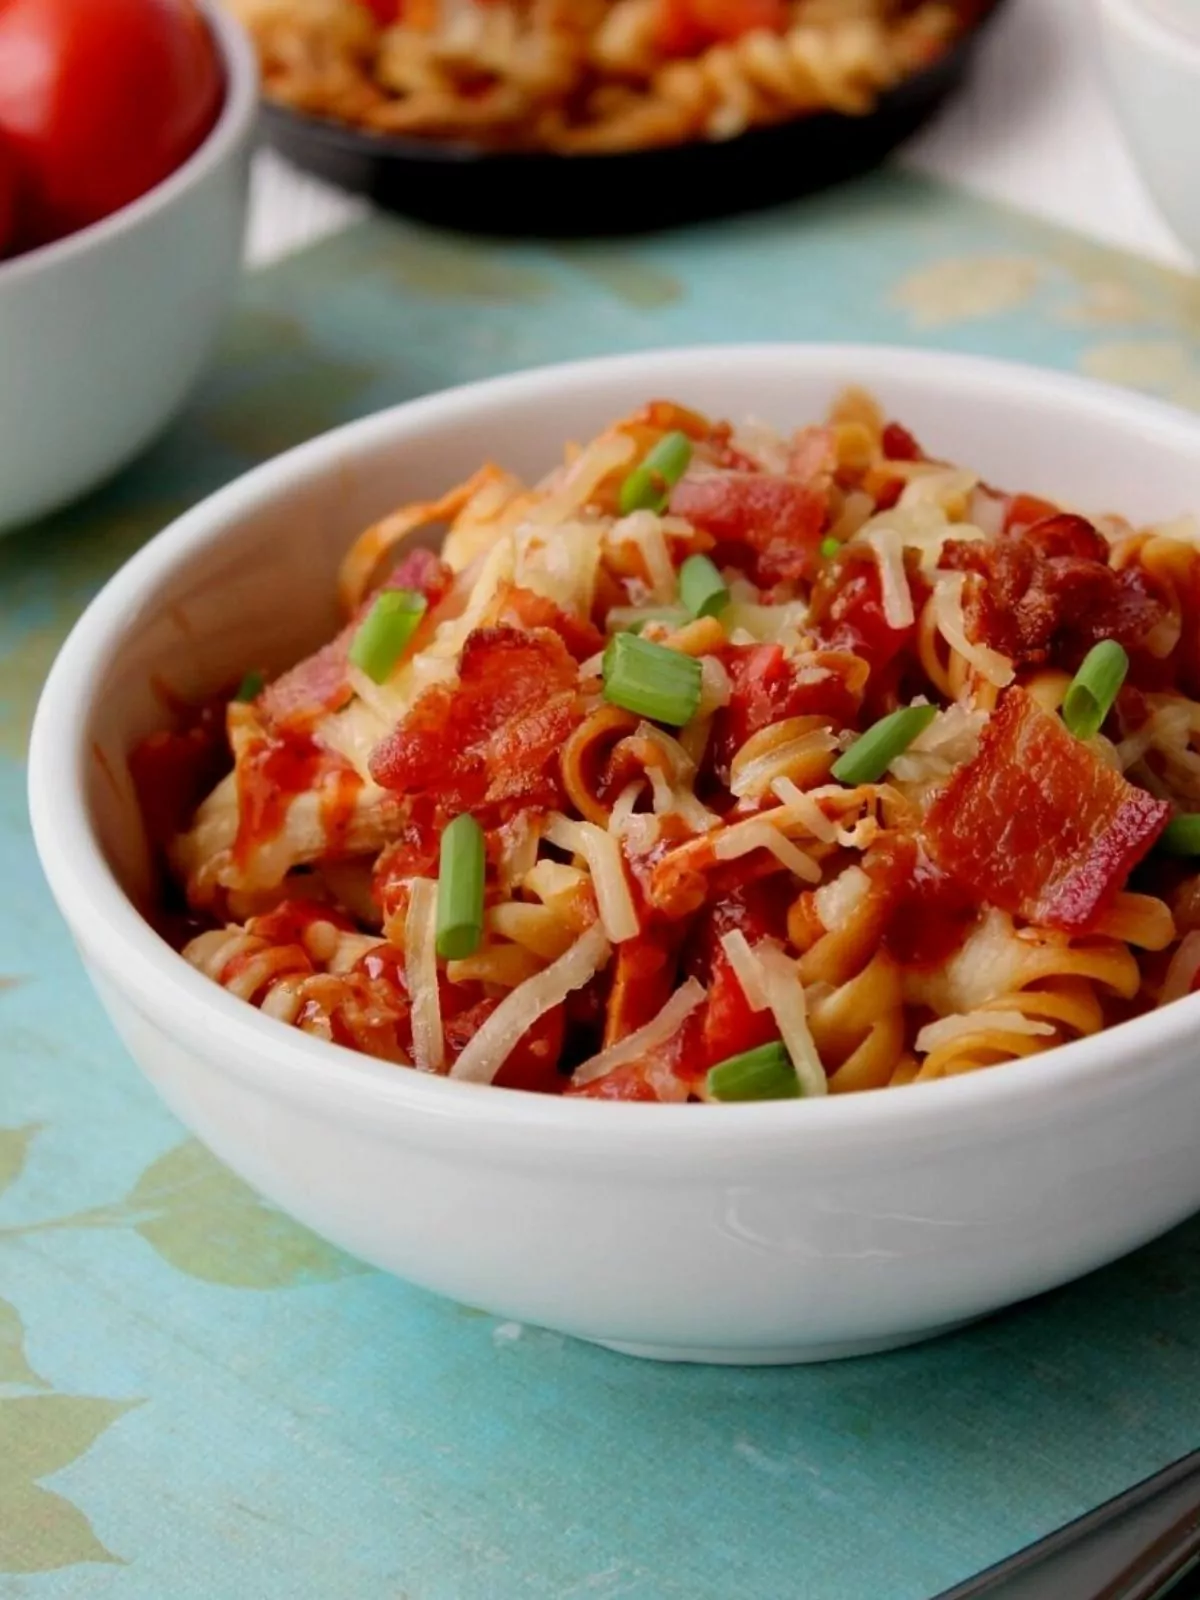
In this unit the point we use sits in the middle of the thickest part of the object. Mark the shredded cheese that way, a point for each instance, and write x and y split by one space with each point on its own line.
646 1039
893 580
420 967
622 810
491 1047
810 813
644 530
746 968
997 669
837 901
759 834
946 1029
755 777
603 856
785 996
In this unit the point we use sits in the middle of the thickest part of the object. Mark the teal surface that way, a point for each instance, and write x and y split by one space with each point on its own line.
199 1401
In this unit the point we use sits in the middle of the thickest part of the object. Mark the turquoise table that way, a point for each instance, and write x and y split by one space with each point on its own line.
200 1401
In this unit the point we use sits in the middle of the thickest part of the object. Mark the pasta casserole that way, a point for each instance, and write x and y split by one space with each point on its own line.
590 76
721 764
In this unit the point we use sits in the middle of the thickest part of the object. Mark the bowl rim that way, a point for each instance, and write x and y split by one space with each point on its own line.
234 1036
234 124
1153 30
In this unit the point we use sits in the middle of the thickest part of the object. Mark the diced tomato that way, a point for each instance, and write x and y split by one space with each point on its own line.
725 1025
414 854
686 27
624 1083
768 523
847 611
899 445
173 771
766 687
1037 824
493 739
643 977
533 1061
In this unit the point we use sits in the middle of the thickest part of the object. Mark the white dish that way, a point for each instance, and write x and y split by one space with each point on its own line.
1152 53
775 1232
105 333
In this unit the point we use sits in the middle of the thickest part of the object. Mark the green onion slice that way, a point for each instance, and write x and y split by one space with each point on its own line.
650 680
648 487
868 758
1181 836
763 1074
831 548
385 631
250 687
461 874
1094 688
702 588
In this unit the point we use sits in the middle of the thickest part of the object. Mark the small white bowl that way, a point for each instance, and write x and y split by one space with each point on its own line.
1152 55
103 334
754 1233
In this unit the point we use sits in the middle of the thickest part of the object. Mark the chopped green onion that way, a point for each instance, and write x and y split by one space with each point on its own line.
250 687
1094 688
868 758
763 1074
385 631
648 487
831 548
650 680
1181 836
460 889
702 588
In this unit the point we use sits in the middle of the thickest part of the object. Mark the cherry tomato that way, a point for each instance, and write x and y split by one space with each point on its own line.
8 198
100 100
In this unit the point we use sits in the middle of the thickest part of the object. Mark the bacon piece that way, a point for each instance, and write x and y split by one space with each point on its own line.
424 573
1037 824
520 608
643 977
492 739
766 687
768 523
320 684
532 1063
1048 593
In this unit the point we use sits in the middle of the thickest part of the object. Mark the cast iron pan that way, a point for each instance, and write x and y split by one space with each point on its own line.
556 196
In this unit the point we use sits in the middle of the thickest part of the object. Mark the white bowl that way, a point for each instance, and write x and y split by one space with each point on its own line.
103 334
782 1232
1152 54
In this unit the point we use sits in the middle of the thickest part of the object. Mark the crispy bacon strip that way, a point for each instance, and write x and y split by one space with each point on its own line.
1049 594
1037 824
768 523
494 737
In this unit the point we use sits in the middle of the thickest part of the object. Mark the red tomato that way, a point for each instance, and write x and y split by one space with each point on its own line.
685 27
8 198
100 100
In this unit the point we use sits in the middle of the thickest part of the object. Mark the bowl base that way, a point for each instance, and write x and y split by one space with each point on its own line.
781 1355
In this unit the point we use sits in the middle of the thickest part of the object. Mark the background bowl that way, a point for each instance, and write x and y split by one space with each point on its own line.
1152 54
103 334
777 1232
545 195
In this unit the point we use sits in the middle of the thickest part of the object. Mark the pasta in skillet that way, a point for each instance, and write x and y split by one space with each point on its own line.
580 76
721 764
